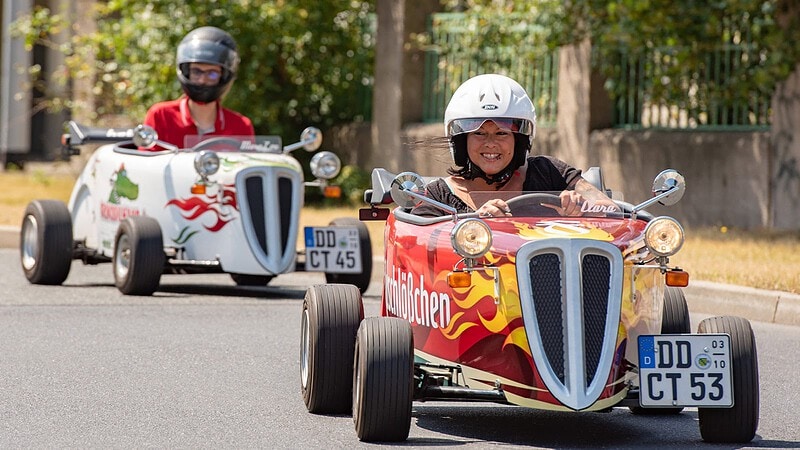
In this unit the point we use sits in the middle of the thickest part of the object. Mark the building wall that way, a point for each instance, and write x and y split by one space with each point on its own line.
727 174
785 143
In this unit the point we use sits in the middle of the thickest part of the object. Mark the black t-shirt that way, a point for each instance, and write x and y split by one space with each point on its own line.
544 173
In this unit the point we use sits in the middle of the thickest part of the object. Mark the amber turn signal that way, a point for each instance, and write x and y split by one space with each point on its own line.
198 188
677 278
332 192
459 279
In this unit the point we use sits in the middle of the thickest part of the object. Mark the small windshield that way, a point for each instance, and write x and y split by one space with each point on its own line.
249 144
590 203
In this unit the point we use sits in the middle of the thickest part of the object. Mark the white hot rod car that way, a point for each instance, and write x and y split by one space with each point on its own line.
225 204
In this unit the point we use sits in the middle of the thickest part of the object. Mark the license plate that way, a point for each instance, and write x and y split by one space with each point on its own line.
685 370
333 249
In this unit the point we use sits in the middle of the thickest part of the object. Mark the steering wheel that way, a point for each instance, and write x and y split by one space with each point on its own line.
221 140
531 204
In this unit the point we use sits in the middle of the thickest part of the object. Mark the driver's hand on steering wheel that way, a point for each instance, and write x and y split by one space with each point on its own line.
494 208
571 202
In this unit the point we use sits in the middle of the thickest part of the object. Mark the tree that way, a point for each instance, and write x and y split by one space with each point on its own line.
303 62
684 43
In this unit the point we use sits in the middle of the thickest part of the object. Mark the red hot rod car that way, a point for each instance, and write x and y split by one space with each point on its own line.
574 314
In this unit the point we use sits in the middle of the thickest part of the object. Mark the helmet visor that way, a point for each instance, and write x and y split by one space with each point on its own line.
459 126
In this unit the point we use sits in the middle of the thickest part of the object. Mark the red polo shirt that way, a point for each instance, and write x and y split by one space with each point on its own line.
173 122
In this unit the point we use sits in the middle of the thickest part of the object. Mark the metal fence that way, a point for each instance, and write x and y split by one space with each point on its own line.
650 91
463 46
655 92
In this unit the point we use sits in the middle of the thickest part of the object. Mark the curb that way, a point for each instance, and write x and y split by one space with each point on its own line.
9 236
754 304
702 296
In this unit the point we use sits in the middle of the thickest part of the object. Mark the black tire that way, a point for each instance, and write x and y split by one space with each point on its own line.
251 280
383 381
674 320
737 424
139 258
360 280
46 242
329 322
675 317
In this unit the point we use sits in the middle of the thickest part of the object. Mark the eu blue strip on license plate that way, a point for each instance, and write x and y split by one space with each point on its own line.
685 370
333 249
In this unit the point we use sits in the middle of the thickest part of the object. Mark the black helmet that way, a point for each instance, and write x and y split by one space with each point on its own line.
208 45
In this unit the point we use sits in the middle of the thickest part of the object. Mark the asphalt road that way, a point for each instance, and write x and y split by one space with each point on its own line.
702 296
205 364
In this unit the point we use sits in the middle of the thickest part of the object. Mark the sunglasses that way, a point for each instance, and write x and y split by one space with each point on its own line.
210 74
459 126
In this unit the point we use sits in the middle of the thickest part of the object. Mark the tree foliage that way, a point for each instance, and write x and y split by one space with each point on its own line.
733 47
680 34
303 62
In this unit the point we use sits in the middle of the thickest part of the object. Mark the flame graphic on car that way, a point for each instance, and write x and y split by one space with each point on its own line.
221 203
472 304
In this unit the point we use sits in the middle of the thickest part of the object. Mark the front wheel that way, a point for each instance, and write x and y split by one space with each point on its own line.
46 242
383 379
675 317
674 320
138 256
739 423
328 326
360 280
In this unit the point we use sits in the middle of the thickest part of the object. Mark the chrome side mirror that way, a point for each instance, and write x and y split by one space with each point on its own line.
669 182
311 138
145 136
403 188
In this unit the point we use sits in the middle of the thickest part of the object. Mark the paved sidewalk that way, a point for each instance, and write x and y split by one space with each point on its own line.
702 296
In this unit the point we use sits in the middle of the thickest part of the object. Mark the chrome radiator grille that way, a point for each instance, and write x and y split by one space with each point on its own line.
269 199
570 290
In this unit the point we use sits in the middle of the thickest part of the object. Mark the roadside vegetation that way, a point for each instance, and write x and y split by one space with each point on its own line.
761 259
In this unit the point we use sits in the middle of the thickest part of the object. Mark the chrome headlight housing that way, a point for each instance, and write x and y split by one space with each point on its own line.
471 238
206 163
325 165
663 236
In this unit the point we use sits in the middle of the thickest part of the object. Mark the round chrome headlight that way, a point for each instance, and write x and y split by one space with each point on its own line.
471 238
325 165
206 163
663 236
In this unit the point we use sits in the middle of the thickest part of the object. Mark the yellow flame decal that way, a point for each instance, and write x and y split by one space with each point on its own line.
571 228
451 334
519 338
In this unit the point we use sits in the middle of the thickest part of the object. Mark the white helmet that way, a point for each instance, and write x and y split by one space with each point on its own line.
489 97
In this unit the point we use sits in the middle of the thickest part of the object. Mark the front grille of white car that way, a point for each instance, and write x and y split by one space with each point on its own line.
570 290
270 199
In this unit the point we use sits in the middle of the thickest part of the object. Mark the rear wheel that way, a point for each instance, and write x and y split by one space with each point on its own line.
360 280
383 382
46 242
138 256
737 424
328 326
